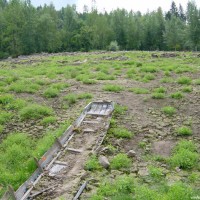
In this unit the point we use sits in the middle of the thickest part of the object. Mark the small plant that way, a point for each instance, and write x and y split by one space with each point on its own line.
139 64
121 133
120 161
119 110
6 99
148 77
160 90
197 82
177 95
184 80
142 145
149 69
139 90
48 120
85 96
113 88
187 89
35 111
113 46
155 172
92 164
184 130
168 110
4 117
88 81
51 92
158 96
71 98
184 155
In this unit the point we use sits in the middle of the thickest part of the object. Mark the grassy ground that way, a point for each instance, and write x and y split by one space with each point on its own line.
157 116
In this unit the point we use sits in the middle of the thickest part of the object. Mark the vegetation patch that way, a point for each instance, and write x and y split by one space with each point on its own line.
139 90
177 95
51 92
168 110
92 164
113 88
48 120
158 95
35 111
71 98
184 130
184 155
184 80
121 132
121 161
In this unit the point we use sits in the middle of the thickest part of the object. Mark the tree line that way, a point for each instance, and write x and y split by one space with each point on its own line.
25 29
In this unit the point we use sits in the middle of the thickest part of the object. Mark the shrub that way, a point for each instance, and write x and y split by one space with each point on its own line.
35 111
158 96
184 130
120 161
92 164
139 90
168 110
121 133
177 95
51 92
113 88
184 80
113 46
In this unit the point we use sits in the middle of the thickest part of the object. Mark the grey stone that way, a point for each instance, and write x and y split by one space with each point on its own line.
131 153
104 162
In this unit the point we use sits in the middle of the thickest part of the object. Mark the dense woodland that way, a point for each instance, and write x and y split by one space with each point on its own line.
25 29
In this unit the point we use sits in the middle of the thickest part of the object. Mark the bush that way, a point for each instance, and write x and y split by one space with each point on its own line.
184 130
113 88
51 92
92 164
35 111
121 133
120 161
168 110
113 46
184 80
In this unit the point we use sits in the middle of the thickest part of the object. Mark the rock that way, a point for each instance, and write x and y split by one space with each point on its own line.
131 153
104 162
143 172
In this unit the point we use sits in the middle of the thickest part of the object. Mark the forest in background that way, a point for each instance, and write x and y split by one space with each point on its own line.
25 29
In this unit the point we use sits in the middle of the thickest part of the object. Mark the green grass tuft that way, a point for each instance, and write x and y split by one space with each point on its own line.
51 92
184 80
121 132
113 88
168 110
184 130
120 161
92 164
139 90
35 111
158 95
177 95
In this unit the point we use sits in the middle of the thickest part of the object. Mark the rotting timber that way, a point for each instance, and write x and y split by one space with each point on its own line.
61 167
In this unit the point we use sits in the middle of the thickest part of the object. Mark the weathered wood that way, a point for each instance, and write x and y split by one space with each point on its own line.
74 150
80 191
